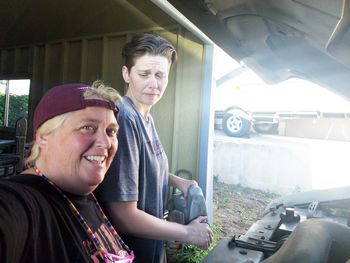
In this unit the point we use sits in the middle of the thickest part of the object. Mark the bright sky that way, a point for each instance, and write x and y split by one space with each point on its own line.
304 94
223 63
16 87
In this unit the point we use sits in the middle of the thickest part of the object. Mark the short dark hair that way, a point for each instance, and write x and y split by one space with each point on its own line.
146 43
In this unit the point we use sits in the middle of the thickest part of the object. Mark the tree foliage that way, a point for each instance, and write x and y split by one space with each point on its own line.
18 108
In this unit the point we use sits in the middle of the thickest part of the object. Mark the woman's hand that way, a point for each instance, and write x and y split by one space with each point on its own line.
181 183
199 233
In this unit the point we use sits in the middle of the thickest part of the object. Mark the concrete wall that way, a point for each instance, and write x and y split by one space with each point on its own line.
281 164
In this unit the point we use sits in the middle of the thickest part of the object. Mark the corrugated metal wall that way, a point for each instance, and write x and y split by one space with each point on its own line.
86 59
78 60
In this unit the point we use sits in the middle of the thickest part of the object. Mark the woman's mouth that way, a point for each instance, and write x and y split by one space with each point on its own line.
96 158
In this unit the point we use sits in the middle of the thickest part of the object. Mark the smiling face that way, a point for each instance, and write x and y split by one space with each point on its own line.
147 80
77 155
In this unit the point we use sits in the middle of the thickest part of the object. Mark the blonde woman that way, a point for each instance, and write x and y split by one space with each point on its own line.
48 213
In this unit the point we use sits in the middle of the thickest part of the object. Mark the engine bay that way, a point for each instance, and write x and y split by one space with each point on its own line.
269 234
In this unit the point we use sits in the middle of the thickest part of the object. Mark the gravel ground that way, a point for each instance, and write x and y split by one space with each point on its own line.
236 208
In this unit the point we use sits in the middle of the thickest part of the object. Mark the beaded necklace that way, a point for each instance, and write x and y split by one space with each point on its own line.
88 230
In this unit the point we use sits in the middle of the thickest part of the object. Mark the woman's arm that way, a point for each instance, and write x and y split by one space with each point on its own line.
127 218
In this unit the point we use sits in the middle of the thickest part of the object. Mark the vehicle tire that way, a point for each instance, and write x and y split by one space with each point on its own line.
235 125
266 128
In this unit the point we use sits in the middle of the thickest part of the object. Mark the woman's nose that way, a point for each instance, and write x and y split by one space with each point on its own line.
153 82
103 140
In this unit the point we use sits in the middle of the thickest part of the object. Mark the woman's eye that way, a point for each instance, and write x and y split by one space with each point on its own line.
162 76
112 132
143 73
87 128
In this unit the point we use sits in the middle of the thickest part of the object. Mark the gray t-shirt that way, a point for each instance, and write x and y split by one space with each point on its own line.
139 172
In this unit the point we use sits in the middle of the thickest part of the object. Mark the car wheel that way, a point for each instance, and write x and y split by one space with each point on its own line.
269 128
235 125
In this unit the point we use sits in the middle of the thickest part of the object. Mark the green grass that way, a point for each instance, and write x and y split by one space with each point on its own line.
193 254
224 198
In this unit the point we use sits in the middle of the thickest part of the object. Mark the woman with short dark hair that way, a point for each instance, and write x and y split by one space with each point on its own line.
135 187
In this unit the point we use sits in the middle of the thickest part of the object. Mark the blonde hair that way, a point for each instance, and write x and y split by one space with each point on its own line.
98 88
102 91
46 128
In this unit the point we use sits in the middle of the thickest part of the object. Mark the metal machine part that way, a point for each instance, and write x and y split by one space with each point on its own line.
183 210
266 240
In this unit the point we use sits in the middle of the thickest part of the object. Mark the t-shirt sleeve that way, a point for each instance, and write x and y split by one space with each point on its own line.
121 180
14 222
